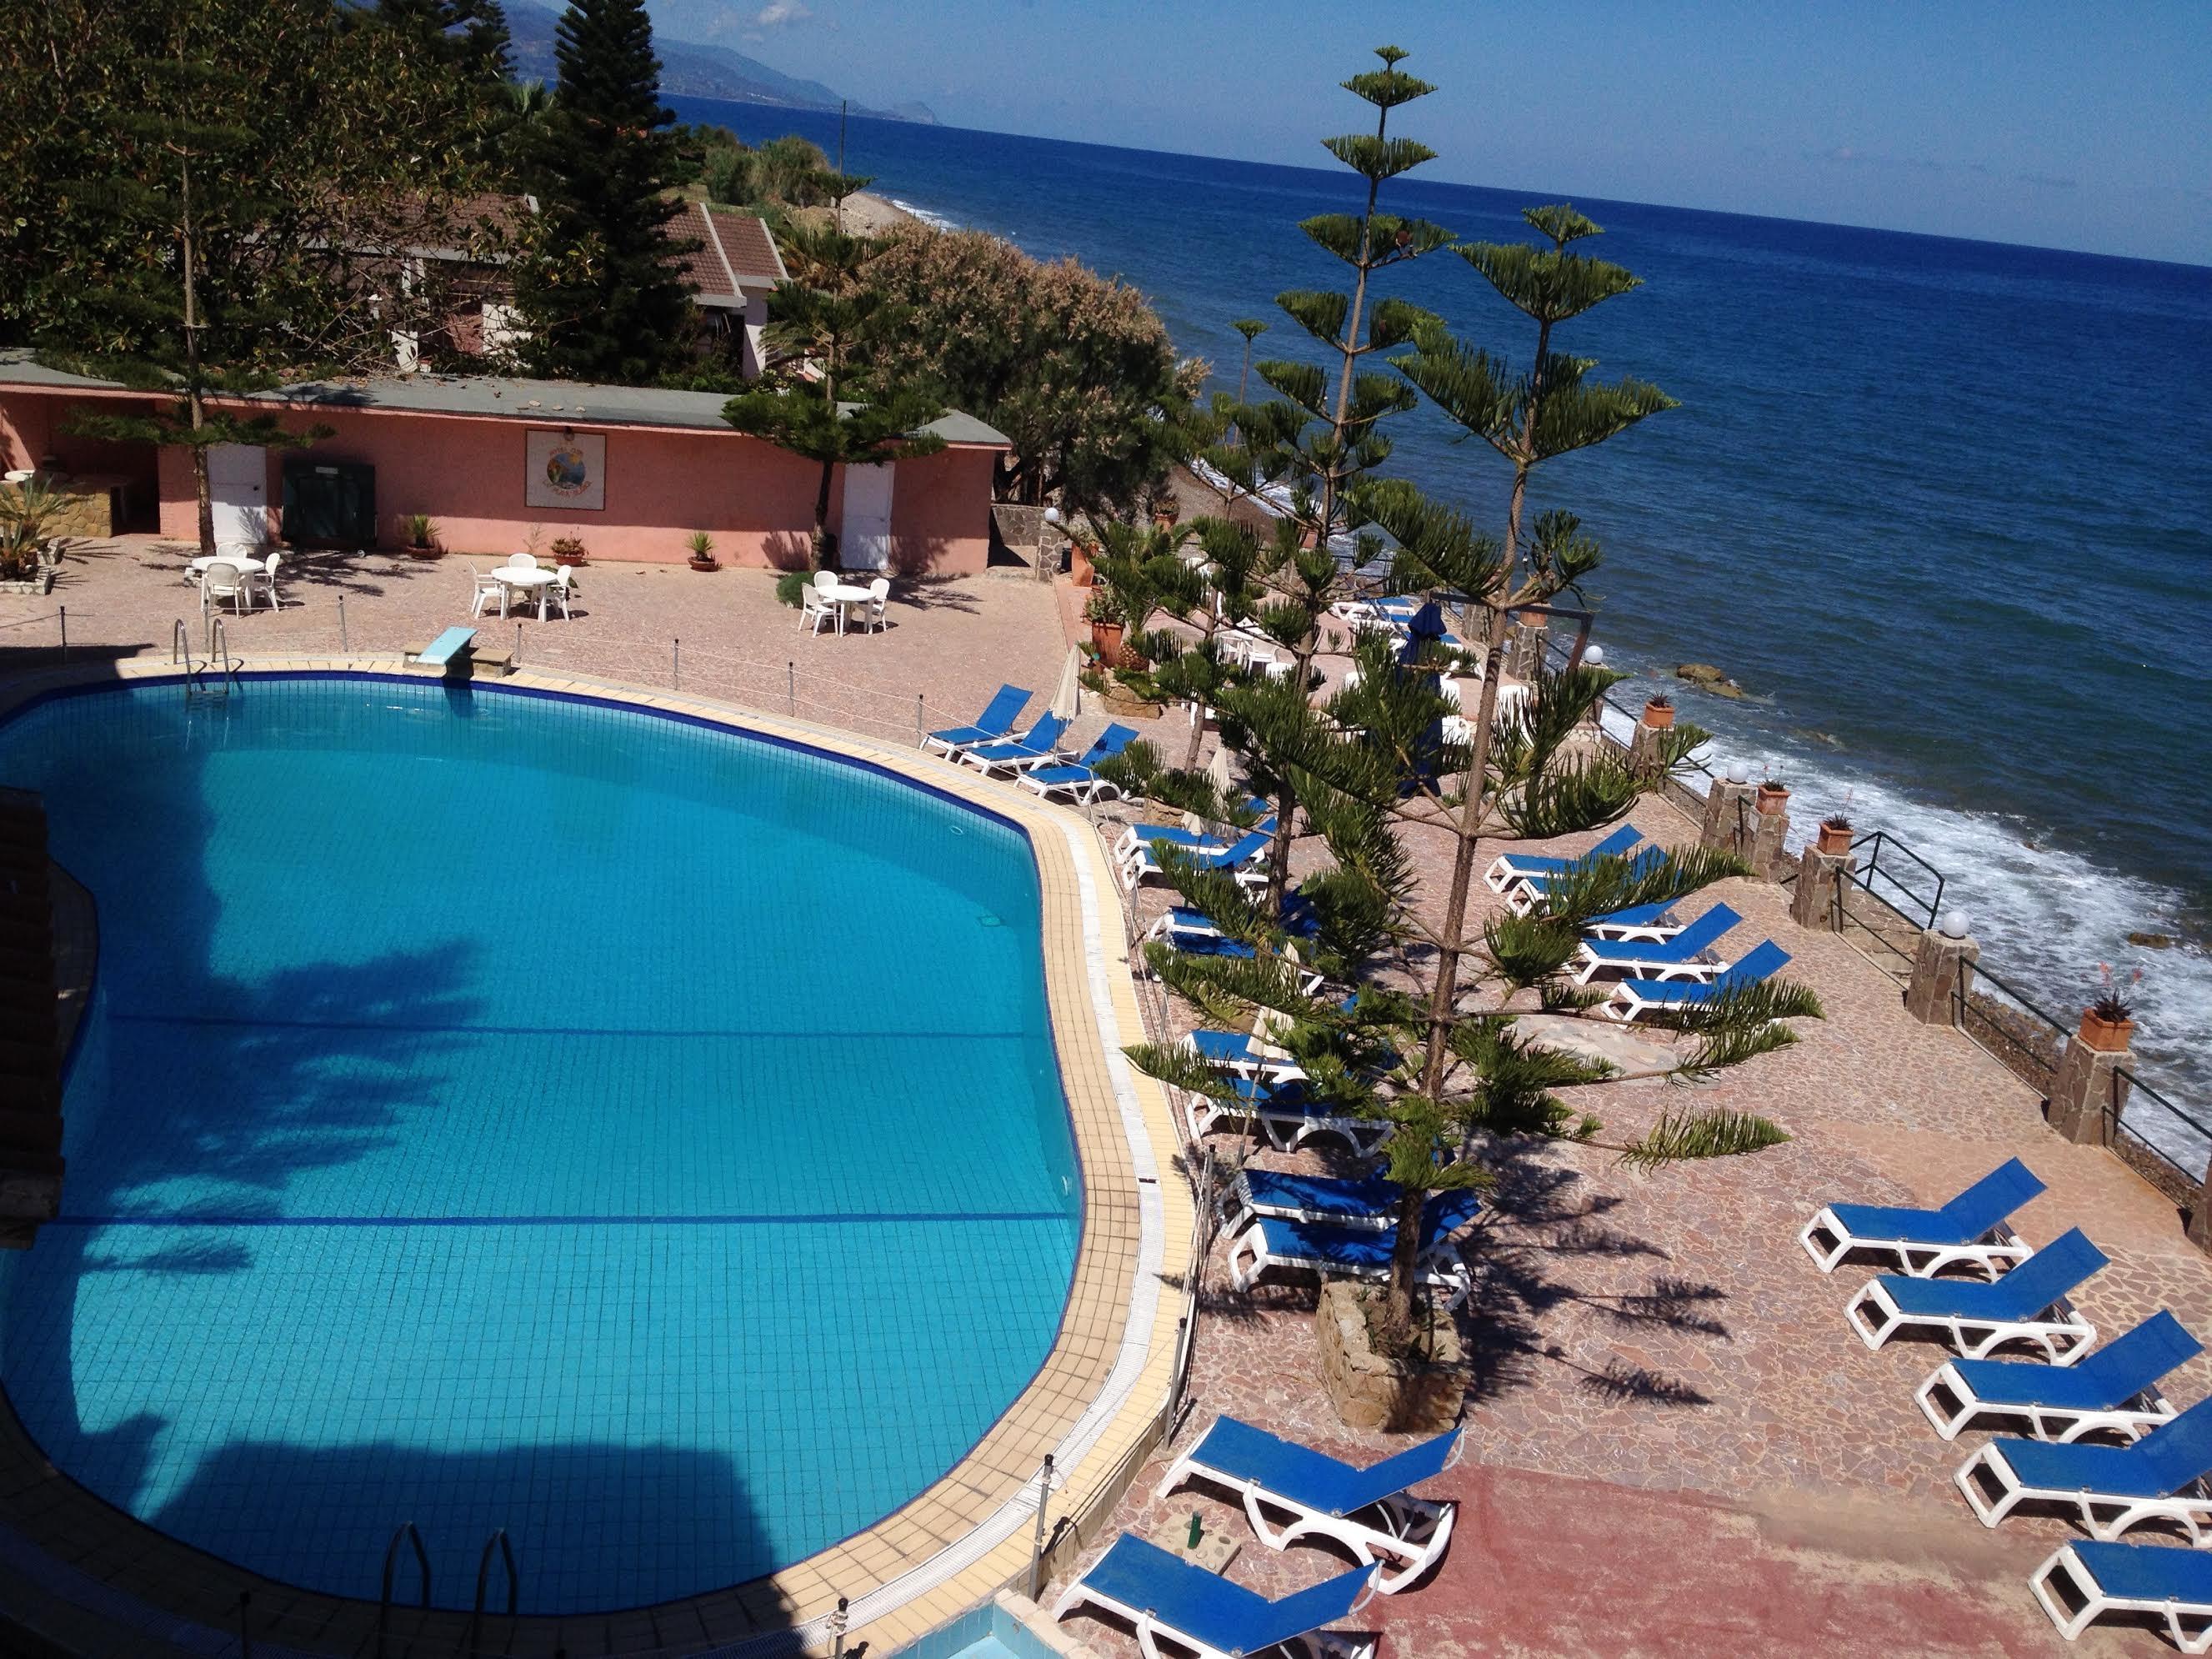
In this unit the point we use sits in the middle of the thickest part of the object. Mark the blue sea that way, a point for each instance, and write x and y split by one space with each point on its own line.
1943 507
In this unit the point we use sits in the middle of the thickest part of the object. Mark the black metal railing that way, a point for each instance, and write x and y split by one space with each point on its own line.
1920 905
2166 1146
2016 1031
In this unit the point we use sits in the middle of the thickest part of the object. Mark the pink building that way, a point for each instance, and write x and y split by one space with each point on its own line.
630 471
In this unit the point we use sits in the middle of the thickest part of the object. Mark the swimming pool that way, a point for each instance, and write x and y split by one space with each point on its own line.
504 1111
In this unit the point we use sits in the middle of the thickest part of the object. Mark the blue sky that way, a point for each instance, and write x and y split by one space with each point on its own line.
2063 125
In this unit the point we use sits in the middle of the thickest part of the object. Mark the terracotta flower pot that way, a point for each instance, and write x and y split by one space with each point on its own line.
1078 565
430 552
698 562
2109 1035
1107 636
1658 715
1773 798
1835 838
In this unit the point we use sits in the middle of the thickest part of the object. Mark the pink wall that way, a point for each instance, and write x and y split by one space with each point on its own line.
756 500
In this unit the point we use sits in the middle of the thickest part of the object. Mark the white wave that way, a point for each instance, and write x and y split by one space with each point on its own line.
2046 916
934 220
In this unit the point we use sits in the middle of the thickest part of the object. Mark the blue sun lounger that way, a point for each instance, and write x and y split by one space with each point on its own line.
2114 1389
1682 957
2081 1582
1371 1203
995 722
1359 1252
1509 869
1367 1510
2110 1488
1078 782
1970 1228
1015 753
1285 1113
1634 998
1163 1594
1233 1051
2028 1304
1245 860
1651 921
1191 841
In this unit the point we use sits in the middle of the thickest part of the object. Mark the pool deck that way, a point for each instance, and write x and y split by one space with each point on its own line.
1093 1404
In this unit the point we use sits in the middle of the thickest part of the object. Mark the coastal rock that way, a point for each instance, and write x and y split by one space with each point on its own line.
1706 677
2152 941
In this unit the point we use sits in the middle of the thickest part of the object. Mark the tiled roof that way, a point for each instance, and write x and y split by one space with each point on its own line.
735 253
545 402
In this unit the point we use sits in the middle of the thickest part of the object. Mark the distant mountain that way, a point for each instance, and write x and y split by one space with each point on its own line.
692 69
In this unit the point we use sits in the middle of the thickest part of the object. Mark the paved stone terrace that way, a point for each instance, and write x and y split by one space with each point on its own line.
954 640
1677 1446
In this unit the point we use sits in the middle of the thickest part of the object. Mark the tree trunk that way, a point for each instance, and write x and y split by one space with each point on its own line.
821 518
1405 1255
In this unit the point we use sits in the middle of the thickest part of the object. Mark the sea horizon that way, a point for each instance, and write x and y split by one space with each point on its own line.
1929 498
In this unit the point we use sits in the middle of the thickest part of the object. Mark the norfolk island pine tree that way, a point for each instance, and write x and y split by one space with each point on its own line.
1374 760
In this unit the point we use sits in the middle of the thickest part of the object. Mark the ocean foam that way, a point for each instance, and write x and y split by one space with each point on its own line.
934 220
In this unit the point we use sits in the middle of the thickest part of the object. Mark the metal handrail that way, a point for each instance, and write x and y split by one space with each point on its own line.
407 1531
483 1574
1881 839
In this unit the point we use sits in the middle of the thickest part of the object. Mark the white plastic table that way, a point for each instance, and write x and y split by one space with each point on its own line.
540 580
844 593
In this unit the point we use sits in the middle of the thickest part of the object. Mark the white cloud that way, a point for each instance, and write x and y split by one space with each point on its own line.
777 12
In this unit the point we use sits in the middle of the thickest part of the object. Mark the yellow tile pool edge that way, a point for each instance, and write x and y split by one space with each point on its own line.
934 1558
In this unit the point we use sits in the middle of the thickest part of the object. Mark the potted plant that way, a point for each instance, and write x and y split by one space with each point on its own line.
26 556
1773 798
1836 828
1103 613
567 549
1079 570
1659 711
702 551
2109 1022
1164 505
418 534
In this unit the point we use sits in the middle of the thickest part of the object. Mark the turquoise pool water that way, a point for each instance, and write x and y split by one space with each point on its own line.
499 1111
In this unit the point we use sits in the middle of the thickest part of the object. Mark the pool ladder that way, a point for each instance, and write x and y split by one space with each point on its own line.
406 1533
217 662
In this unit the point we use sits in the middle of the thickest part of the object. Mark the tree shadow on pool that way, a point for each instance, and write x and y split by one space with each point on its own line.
595 1527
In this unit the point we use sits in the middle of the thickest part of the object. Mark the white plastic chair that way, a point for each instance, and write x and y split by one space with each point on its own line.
871 613
816 606
263 580
521 562
221 581
561 591
487 586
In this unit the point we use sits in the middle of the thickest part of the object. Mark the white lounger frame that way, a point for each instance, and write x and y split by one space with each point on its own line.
1285 1131
1952 1406
2095 1604
2103 1515
2064 1339
1412 1540
1441 1267
1915 1258
1317 1644
1588 962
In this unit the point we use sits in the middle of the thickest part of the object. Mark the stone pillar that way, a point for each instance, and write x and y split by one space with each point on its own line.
1728 827
2086 1099
1942 968
1819 896
1530 636
1644 754
1770 833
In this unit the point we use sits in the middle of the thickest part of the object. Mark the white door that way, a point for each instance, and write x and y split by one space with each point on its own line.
238 483
865 542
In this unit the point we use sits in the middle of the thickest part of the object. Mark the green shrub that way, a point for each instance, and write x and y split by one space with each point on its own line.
791 587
